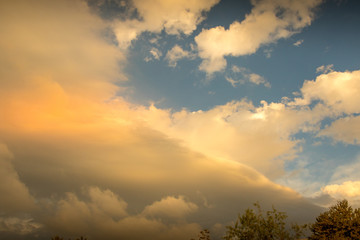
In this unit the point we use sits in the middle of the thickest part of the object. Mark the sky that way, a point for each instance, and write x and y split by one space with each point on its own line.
133 119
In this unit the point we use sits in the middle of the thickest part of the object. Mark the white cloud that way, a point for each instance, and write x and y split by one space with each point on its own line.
238 124
325 69
348 189
257 79
107 202
268 52
340 91
177 53
232 81
345 183
173 207
175 17
268 21
299 42
245 75
345 129
237 69
155 54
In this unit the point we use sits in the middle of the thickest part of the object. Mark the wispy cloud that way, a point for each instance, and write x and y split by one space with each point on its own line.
299 42
325 69
177 53
155 53
244 75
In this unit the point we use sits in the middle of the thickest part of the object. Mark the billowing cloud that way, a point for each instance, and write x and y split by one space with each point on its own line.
15 196
243 127
340 91
173 207
349 190
133 173
267 22
175 17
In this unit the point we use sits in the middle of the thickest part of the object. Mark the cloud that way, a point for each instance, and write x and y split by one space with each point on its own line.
245 75
61 66
107 202
344 130
268 22
175 18
155 54
173 207
15 196
337 90
233 82
344 183
349 190
325 69
134 173
22 226
243 127
74 216
177 53
257 79
298 43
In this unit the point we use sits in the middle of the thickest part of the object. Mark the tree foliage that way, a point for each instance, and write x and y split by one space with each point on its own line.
60 238
263 226
203 235
339 222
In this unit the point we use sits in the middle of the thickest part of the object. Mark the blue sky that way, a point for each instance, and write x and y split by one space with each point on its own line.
330 39
174 116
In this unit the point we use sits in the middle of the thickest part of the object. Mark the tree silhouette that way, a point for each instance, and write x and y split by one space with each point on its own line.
60 238
259 226
339 222
203 235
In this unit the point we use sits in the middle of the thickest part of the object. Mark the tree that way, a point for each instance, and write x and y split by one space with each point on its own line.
339 222
257 226
60 238
203 235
